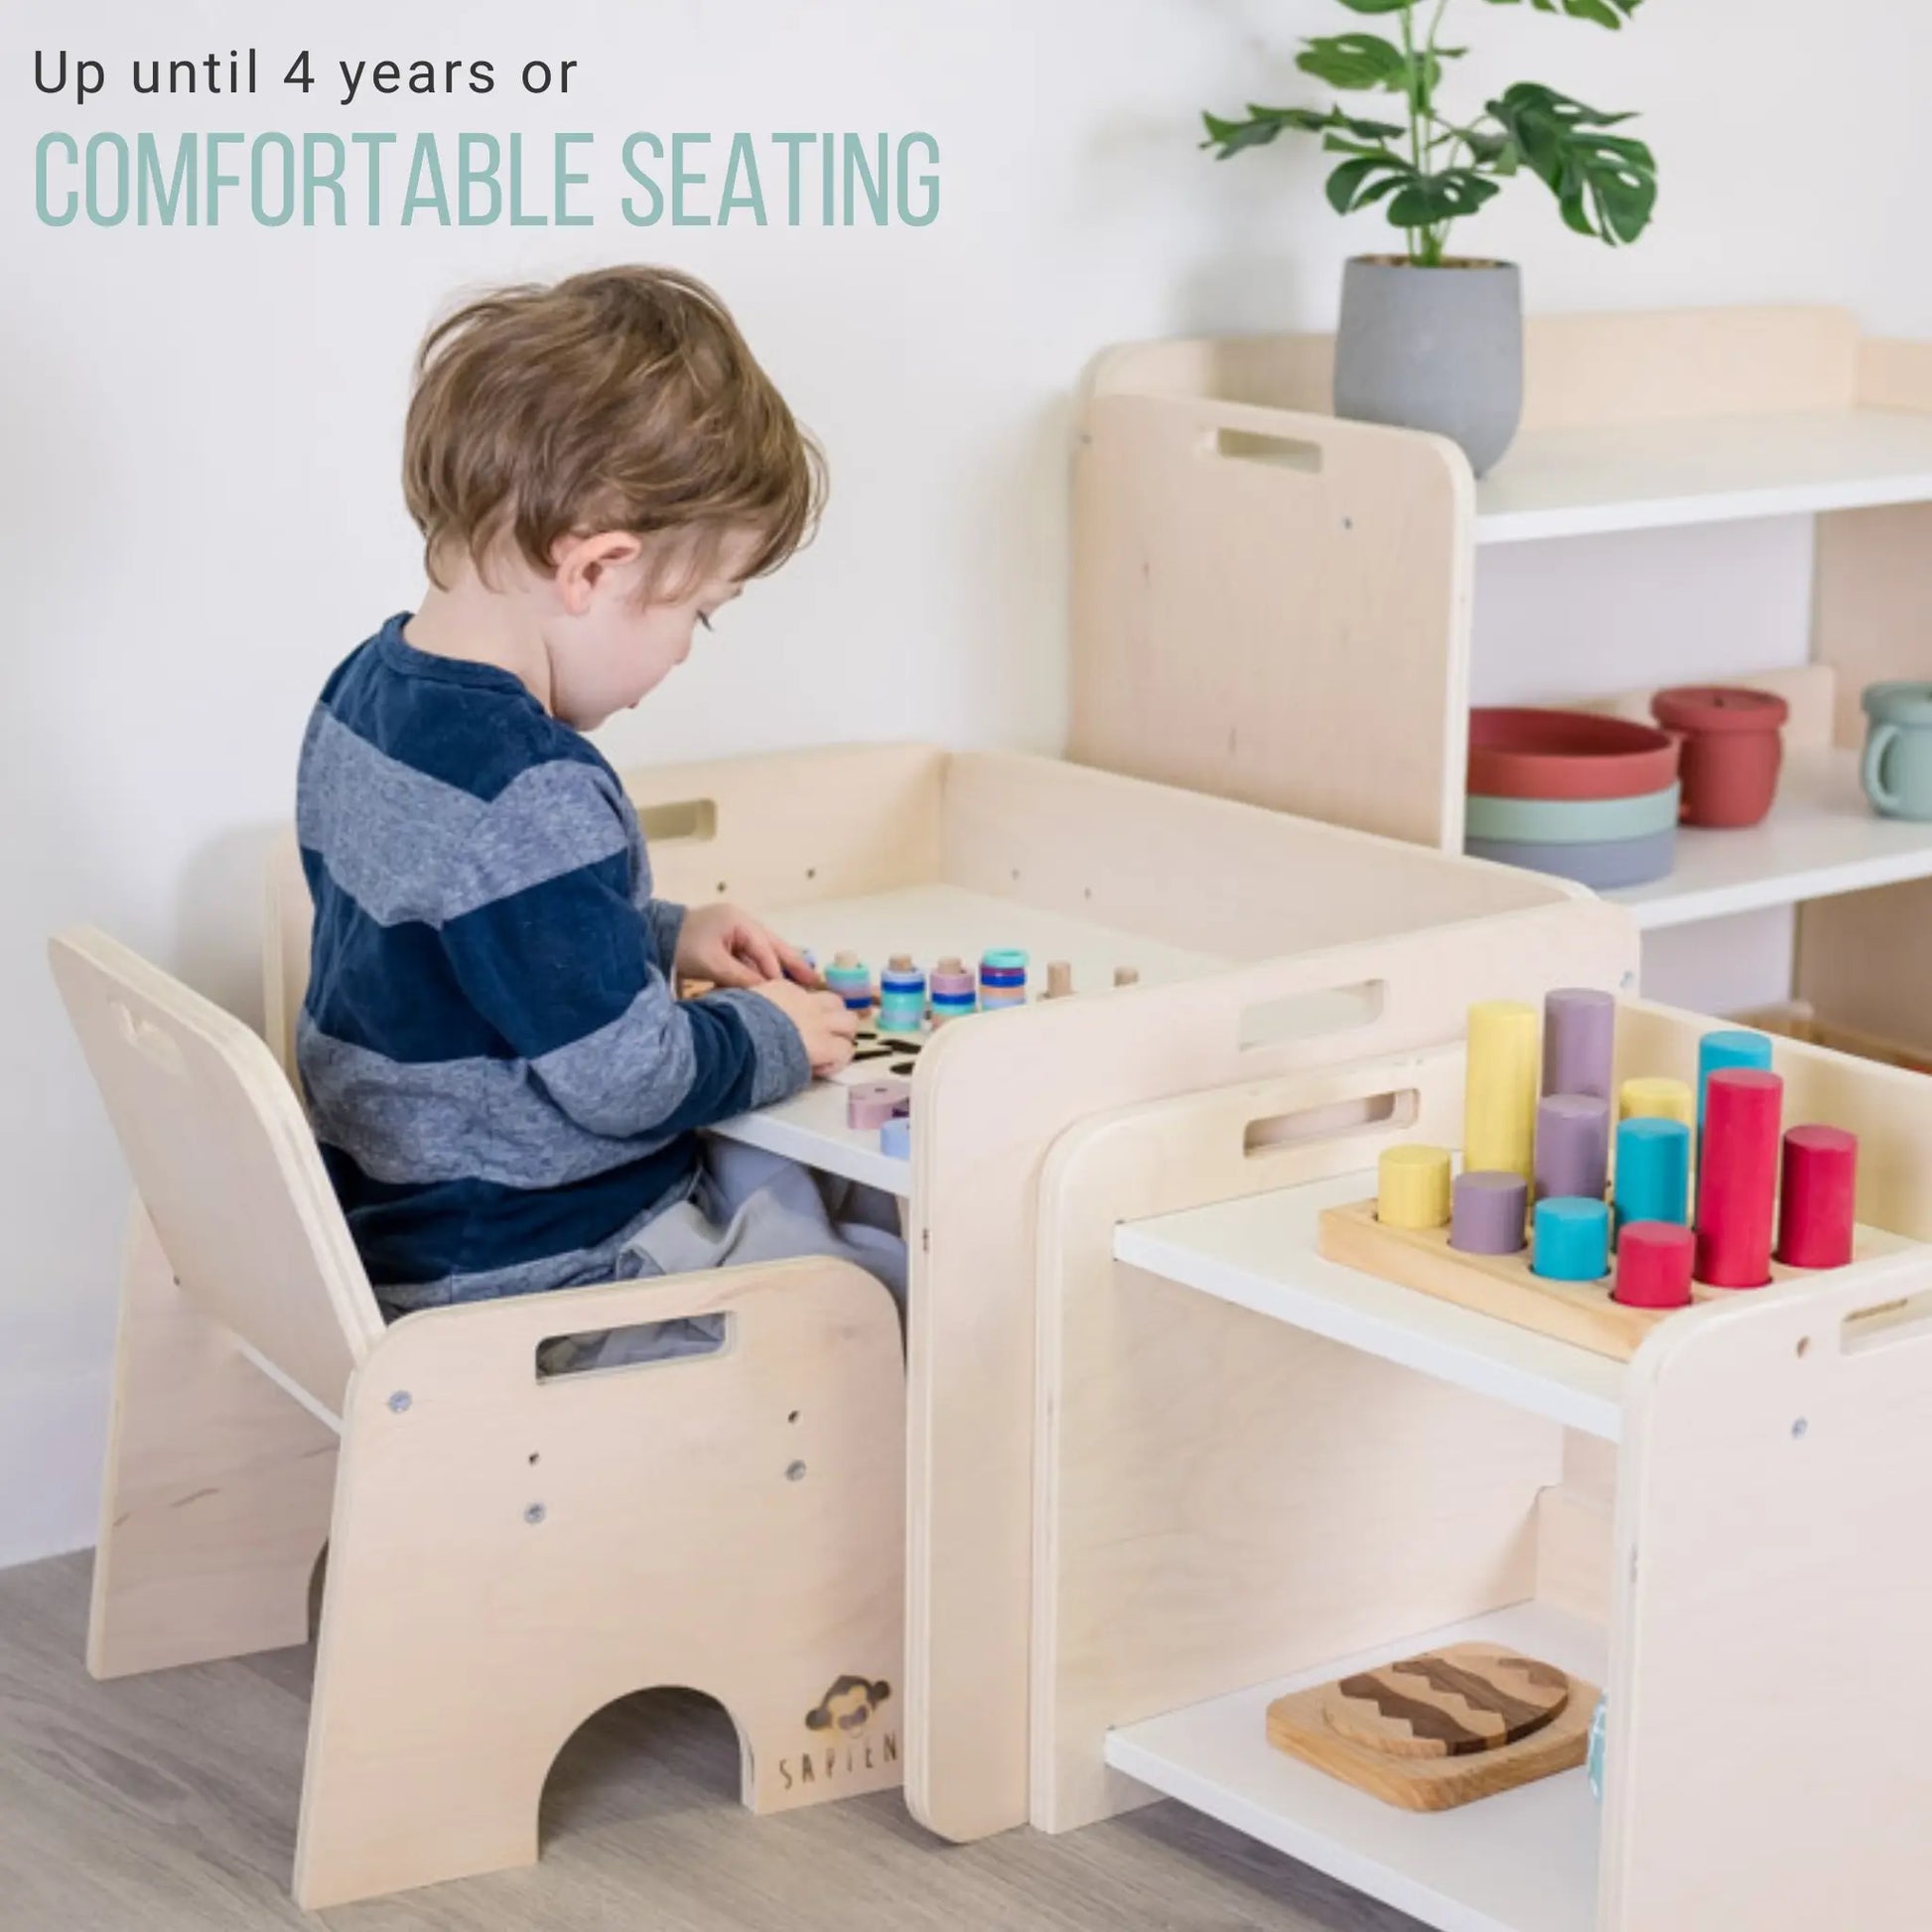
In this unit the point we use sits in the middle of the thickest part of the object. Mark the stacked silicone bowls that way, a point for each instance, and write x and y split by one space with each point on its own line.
1589 797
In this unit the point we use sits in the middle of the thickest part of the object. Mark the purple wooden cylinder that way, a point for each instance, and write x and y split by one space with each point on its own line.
1579 1041
1489 1213
1573 1146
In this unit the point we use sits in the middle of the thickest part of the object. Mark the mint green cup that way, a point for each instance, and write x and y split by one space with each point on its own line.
1897 769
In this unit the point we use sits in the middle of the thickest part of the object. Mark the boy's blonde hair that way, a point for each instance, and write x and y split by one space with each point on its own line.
621 399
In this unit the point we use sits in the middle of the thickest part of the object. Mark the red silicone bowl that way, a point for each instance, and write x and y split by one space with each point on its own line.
1517 753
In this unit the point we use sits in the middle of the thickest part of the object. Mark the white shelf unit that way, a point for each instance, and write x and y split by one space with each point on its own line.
1276 605
1260 1252
1591 482
1525 1860
1260 1470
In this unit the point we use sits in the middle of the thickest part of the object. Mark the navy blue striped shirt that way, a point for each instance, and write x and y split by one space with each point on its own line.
504 1086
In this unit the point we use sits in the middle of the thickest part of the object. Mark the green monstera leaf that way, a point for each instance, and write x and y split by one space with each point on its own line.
1266 124
1356 61
1605 12
1606 185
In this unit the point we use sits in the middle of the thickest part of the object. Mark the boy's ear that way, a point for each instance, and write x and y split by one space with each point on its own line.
579 563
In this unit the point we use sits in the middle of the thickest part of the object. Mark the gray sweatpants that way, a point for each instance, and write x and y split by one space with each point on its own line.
746 1206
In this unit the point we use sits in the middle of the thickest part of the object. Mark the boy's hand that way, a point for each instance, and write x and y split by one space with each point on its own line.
824 1022
727 947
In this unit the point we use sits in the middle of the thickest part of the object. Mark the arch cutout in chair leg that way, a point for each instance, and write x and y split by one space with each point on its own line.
510 1554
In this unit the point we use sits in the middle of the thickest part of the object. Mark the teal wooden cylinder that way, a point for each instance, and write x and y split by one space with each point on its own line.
1728 1047
1653 1172
1572 1240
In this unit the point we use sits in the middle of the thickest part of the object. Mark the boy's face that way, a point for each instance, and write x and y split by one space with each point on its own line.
608 645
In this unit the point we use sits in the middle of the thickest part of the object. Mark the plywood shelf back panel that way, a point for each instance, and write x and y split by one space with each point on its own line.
1327 673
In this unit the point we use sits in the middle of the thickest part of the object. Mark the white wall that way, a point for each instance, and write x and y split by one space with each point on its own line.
199 443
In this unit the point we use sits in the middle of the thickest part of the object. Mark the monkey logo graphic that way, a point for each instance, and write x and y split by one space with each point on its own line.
848 1706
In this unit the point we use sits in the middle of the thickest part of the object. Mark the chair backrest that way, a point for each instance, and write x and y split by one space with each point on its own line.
286 930
224 1164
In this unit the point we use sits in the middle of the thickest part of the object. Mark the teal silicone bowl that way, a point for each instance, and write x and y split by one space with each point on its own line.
1573 821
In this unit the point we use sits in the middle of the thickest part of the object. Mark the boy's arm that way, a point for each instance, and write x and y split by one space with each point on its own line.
666 921
554 954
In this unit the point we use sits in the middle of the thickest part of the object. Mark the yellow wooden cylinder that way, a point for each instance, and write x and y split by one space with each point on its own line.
1412 1188
1652 1097
1499 1109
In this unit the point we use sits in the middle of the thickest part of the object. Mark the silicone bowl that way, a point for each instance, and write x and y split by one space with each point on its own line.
1617 862
1518 753
1573 821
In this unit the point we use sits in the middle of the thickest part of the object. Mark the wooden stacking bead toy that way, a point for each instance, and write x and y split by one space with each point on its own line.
1654 1170
1573 1145
1579 1041
952 992
1002 979
902 997
1412 1188
1499 1111
850 979
873 1103
1653 1097
895 1136
1653 1265
1738 1177
1820 1186
1489 1213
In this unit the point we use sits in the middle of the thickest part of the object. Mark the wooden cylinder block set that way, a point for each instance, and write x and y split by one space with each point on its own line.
1575 1197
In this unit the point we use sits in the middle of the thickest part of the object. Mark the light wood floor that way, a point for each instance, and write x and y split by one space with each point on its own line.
168 1803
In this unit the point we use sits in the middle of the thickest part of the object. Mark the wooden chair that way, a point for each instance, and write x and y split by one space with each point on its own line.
507 1553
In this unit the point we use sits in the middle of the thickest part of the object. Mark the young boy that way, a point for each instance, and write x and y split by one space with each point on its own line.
506 1088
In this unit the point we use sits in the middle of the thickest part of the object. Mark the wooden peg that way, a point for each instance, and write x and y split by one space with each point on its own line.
1060 980
1126 976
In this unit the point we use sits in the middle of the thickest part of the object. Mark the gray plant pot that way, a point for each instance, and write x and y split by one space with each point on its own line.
1434 348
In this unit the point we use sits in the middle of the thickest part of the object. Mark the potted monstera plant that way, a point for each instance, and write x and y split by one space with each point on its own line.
1431 340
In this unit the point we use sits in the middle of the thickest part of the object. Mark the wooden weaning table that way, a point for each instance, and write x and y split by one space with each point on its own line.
1265 944
1260 1468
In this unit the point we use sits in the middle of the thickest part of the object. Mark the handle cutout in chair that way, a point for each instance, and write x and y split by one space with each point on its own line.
641 1344
1887 1324
689 821
1269 451
152 1042
1308 1016
1337 1120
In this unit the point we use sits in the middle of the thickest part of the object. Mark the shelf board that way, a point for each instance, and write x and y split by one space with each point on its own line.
1822 838
1710 469
1260 1252
1525 1860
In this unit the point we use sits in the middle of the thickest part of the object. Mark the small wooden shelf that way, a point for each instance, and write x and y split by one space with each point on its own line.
1821 839
1525 1860
1568 482
1261 1253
